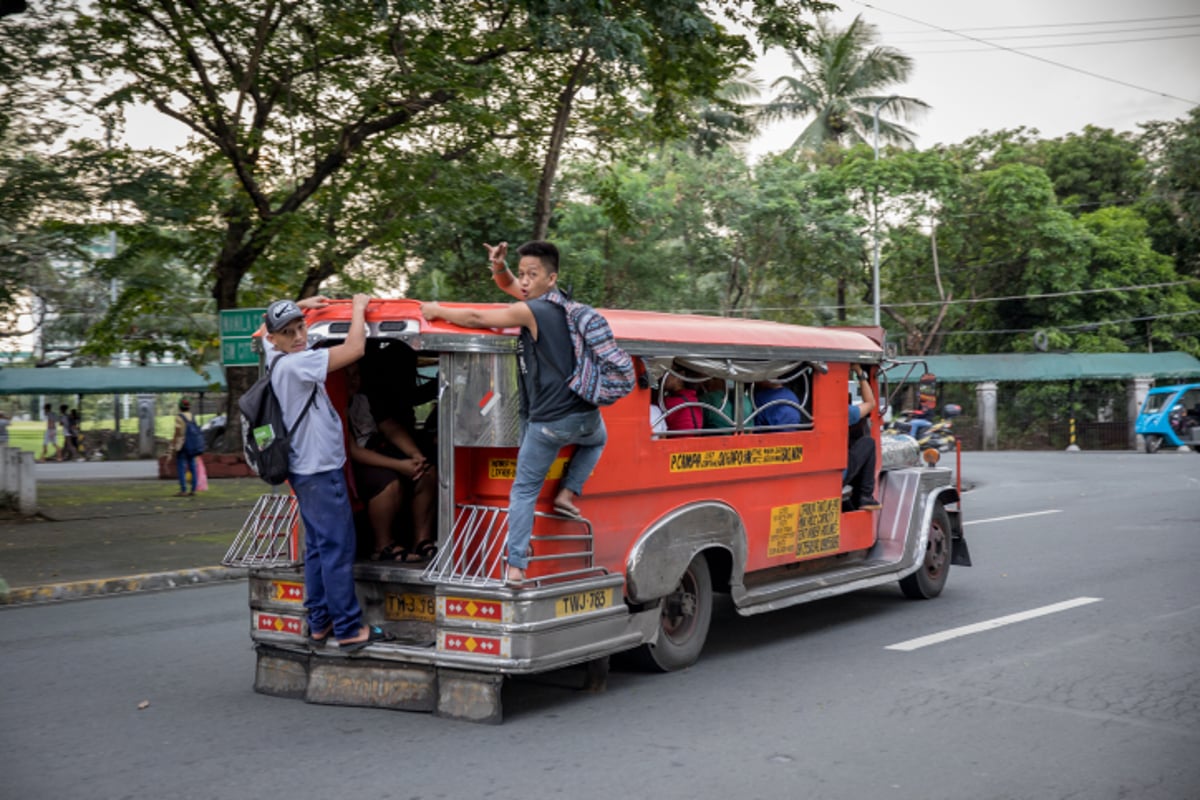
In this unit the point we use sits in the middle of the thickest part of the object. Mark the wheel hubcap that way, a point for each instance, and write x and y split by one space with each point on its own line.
679 609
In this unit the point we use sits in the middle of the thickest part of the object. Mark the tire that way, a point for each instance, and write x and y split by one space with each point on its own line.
928 582
683 622
1153 442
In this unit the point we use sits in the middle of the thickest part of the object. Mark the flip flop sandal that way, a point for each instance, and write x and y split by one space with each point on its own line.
375 634
322 637
392 552
573 513
426 550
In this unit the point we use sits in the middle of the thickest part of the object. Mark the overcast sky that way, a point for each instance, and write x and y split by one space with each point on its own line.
1151 44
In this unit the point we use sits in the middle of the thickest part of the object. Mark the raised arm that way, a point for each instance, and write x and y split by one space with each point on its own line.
355 344
498 265
867 405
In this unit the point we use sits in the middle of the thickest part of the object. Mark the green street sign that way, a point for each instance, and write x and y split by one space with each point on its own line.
237 336
241 321
239 353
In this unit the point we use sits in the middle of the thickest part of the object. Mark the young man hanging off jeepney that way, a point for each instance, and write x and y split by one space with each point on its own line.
552 416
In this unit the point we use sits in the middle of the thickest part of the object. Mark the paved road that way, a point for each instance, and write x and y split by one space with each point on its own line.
96 470
1101 700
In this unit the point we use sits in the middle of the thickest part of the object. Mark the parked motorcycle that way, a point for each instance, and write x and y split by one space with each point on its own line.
935 433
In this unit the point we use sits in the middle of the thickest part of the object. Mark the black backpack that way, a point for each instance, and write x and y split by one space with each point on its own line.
266 442
193 437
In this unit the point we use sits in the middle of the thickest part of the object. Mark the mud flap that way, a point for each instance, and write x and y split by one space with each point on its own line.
960 555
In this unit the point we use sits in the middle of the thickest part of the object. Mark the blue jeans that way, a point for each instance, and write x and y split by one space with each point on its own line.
539 448
329 546
183 465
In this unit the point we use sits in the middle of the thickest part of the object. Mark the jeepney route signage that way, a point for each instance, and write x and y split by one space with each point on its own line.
743 457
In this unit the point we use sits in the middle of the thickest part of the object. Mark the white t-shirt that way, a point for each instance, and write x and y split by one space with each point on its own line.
317 444
362 423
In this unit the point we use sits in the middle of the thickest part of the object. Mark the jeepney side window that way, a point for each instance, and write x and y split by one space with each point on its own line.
716 396
782 404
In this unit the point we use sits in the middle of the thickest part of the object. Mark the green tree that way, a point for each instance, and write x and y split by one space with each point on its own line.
1173 210
842 86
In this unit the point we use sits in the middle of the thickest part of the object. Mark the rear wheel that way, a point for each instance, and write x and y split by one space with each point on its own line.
683 623
1153 442
928 581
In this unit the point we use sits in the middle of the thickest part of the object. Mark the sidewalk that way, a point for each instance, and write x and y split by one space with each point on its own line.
108 527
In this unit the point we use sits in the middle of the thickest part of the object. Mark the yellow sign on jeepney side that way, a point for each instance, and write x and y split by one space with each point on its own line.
782 540
805 529
742 457
820 528
505 469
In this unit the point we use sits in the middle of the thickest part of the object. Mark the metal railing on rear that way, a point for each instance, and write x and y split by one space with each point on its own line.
475 553
268 536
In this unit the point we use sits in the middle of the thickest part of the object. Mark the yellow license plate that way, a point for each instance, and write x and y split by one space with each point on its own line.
583 602
420 607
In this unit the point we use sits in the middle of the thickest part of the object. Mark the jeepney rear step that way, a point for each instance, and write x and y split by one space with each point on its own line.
268 536
474 555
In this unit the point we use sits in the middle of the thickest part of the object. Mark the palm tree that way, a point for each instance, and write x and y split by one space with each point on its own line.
843 84
728 117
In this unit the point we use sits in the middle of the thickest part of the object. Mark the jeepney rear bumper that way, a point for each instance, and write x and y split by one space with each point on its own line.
481 628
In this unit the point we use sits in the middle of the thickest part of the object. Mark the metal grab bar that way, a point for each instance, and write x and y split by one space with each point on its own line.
475 553
268 536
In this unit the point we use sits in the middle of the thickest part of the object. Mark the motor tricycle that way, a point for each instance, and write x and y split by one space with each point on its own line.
1171 416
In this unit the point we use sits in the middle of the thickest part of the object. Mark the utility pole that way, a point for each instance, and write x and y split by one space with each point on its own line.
875 218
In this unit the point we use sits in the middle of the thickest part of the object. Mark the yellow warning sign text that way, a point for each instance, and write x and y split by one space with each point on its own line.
505 469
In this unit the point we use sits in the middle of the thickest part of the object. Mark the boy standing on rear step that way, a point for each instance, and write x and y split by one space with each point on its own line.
315 461
552 416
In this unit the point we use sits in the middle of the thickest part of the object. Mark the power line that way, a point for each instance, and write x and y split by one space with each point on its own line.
965 301
1076 327
1024 36
1062 45
1031 55
1043 25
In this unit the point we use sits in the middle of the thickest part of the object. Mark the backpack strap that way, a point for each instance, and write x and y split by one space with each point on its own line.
312 398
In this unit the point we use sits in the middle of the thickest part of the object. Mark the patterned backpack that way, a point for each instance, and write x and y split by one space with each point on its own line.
603 371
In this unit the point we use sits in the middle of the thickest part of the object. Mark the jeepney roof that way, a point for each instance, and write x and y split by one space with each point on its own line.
647 332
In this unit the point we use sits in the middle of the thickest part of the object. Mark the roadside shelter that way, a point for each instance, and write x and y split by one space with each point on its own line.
1140 371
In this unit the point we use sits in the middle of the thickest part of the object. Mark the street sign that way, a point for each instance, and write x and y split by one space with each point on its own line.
237 336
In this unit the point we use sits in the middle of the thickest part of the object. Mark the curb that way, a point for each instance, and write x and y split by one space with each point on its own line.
101 587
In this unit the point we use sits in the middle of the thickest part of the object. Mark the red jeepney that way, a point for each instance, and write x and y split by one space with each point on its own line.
669 517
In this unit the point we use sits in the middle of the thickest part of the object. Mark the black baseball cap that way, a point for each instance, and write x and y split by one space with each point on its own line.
280 313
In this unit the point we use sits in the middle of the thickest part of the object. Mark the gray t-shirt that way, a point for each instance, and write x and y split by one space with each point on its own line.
317 444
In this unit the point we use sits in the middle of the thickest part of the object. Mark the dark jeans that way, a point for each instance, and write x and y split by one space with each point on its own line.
185 463
860 470
329 546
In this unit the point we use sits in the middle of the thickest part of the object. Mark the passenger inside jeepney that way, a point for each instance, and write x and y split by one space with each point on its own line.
777 406
717 400
682 411
859 474
394 477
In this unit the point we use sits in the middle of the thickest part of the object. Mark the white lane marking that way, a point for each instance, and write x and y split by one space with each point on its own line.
987 625
1012 516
